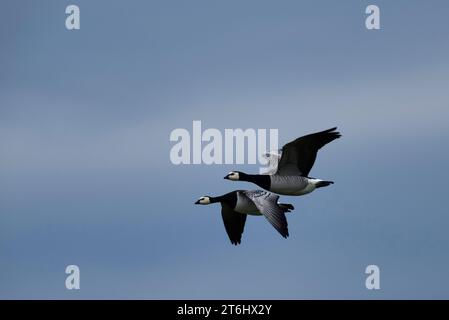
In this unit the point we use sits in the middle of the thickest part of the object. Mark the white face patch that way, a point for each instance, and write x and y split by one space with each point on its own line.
233 176
205 200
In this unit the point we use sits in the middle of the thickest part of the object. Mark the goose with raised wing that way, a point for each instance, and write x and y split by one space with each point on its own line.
292 174
236 205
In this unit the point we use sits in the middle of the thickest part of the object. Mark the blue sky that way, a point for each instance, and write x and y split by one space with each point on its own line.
85 175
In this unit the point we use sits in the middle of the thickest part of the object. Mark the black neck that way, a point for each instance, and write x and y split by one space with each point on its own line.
262 180
229 198
216 199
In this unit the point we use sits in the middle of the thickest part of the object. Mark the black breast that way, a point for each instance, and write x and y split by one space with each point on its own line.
230 198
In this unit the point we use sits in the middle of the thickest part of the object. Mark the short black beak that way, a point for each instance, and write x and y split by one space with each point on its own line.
227 178
197 202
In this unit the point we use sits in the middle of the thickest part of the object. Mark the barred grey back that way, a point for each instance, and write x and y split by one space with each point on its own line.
288 184
245 205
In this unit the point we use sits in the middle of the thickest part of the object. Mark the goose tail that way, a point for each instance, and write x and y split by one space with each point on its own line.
323 183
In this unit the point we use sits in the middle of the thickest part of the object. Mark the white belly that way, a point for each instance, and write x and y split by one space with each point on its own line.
308 189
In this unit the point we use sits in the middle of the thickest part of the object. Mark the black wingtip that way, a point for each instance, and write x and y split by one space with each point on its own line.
331 133
287 207
331 130
236 242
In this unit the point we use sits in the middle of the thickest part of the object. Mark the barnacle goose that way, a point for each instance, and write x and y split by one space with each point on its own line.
236 205
296 161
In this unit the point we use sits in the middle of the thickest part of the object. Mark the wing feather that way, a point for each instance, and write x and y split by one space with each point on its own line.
234 223
298 156
267 204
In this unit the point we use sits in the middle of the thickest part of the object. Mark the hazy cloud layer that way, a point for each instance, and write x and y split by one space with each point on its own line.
85 174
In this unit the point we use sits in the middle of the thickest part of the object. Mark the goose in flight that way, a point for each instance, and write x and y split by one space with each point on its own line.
236 205
292 174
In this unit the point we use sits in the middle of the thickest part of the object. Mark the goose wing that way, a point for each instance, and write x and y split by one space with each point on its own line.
266 202
298 156
273 158
234 223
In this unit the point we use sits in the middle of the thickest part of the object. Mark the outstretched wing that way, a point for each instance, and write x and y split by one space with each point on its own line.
299 155
273 158
266 202
234 223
